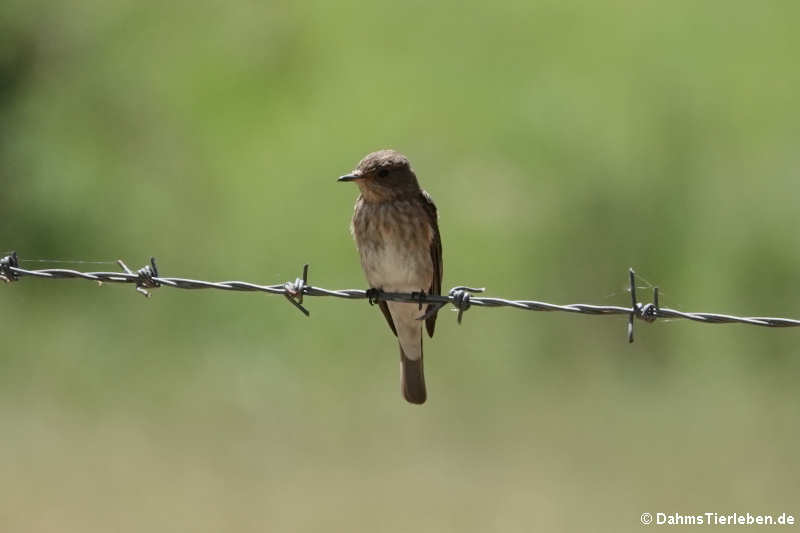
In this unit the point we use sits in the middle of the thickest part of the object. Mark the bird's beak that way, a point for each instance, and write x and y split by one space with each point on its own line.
349 177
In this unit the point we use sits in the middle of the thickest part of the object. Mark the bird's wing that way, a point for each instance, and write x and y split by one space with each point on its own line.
436 255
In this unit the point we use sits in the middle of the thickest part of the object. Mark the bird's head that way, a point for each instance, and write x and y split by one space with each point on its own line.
384 175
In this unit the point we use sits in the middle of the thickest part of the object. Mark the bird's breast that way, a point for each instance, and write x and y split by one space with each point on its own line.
394 239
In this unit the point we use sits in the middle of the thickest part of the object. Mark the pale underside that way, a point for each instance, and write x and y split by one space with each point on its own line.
394 240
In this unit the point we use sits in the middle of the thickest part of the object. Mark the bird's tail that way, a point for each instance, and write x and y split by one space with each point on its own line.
413 379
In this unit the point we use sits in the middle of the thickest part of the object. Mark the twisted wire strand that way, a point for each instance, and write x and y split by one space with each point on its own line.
461 297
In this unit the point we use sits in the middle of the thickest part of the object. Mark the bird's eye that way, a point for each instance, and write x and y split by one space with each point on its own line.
383 172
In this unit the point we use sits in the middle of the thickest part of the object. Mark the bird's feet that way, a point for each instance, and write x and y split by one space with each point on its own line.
419 297
373 295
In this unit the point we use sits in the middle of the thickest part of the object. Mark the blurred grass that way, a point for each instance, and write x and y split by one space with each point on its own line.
563 143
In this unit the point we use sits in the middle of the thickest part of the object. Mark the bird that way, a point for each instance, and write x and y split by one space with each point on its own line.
396 231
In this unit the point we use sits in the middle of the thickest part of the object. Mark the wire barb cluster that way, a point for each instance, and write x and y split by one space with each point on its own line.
461 298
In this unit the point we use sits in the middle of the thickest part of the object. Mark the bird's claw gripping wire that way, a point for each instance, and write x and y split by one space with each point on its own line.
144 276
6 264
293 291
373 295
419 296
647 312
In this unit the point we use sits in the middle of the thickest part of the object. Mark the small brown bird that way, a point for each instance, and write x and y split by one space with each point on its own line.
397 236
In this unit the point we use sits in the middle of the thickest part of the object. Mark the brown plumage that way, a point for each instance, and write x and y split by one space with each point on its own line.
397 235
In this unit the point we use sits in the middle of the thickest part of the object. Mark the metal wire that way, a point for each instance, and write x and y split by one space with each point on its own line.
460 297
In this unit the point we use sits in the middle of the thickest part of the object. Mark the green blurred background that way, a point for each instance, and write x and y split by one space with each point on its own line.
562 142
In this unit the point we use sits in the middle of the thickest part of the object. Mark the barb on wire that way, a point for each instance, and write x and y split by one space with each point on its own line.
7 266
294 291
144 276
461 298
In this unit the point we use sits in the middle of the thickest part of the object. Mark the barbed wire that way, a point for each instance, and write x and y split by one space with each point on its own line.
460 297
